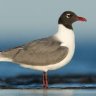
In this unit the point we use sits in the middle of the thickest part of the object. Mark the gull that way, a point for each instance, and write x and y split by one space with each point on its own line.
48 53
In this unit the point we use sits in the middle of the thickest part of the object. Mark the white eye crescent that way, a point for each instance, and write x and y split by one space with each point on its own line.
68 15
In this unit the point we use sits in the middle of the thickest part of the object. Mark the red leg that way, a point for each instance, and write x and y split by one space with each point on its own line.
44 83
45 80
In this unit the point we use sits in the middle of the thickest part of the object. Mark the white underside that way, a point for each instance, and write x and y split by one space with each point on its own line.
66 36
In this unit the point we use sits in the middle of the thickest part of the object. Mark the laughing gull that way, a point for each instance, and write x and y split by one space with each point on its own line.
48 53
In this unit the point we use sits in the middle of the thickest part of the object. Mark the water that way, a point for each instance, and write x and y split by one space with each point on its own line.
49 92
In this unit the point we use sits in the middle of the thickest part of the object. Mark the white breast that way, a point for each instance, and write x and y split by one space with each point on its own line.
66 36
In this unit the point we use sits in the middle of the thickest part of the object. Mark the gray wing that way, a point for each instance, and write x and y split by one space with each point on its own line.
40 52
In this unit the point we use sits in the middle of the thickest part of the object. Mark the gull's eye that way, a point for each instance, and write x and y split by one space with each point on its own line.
68 16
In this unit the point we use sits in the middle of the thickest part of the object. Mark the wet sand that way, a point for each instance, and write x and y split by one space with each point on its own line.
48 92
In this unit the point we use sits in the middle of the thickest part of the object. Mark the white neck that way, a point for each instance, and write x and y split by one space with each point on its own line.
65 35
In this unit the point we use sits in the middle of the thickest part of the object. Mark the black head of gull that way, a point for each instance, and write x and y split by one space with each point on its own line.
69 17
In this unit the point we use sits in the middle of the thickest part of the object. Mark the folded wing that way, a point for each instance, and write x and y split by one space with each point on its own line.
40 52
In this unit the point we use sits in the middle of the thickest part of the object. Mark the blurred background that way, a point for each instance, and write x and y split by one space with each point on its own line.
22 21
